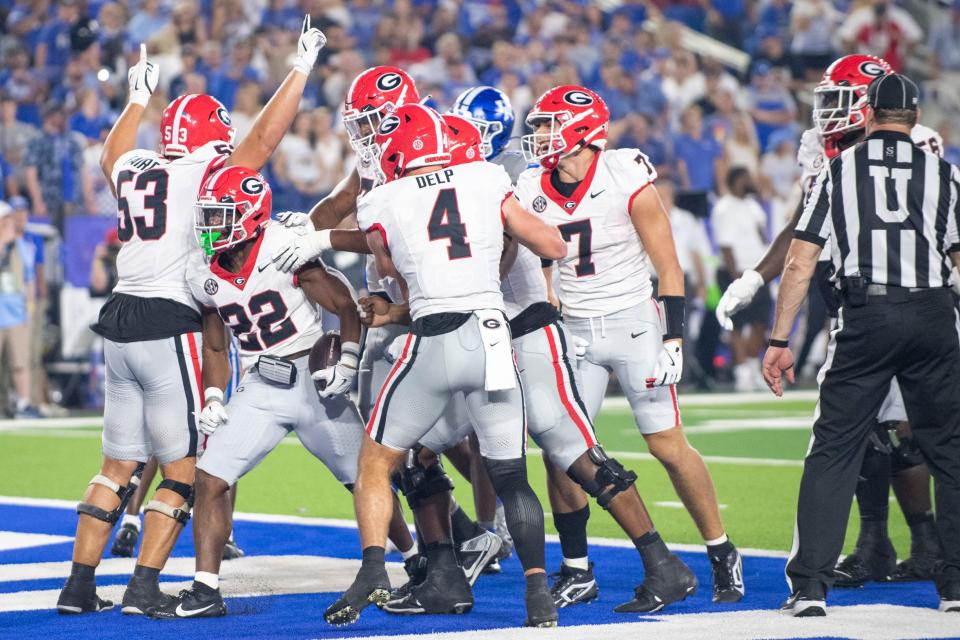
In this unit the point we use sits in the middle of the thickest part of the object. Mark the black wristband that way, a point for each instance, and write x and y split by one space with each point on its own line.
672 309
780 344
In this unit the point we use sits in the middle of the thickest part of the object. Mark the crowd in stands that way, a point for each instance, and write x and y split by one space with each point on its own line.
701 118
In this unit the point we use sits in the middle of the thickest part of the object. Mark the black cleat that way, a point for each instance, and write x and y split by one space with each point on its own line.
444 591
573 586
541 610
474 554
950 597
80 597
231 551
125 541
668 582
199 601
371 586
142 595
416 568
868 562
924 560
728 577
809 602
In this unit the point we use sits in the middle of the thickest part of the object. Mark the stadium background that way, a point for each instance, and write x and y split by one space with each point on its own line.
700 86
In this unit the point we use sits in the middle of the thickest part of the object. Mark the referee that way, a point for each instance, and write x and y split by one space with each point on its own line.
892 211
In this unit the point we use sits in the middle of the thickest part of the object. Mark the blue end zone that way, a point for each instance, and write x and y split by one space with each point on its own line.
499 601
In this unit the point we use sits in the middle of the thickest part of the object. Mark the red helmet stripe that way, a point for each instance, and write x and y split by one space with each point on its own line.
175 133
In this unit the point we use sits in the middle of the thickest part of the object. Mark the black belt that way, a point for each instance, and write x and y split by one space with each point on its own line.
534 317
891 293
437 324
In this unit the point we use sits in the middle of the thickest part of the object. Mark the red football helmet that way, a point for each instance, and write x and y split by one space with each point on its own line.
464 142
413 136
577 117
841 97
191 121
233 206
373 94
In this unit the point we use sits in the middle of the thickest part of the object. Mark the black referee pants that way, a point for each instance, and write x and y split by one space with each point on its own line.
916 340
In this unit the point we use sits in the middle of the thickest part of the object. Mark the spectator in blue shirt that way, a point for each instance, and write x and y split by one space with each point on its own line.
640 134
701 163
771 105
53 42
16 294
224 83
90 119
149 20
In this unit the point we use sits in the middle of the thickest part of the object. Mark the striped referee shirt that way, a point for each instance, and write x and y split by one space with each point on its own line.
891 209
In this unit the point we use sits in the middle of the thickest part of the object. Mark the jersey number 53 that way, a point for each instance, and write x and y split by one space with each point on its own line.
151 187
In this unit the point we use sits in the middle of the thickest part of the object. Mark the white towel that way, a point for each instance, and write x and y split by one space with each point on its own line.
499 374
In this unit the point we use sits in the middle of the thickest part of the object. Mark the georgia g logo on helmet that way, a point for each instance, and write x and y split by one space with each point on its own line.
224 116
577 98
872 69
389 81
251 186
389 124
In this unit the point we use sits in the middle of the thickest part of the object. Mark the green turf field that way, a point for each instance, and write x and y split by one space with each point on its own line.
753 450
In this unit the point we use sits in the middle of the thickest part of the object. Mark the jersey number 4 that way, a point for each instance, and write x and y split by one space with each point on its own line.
582 228
268 308
153 185
445 224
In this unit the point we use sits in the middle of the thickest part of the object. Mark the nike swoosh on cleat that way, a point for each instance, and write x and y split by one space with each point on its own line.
180 611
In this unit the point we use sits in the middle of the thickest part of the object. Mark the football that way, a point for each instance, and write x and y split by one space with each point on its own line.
325 352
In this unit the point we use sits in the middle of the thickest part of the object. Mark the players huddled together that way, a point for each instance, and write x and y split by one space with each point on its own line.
504 289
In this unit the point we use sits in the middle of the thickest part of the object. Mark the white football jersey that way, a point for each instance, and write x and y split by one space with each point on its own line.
444 231
524 284
265 309
155 209
369 180
606 265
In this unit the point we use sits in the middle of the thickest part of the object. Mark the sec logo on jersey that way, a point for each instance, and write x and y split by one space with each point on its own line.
539 204
211 286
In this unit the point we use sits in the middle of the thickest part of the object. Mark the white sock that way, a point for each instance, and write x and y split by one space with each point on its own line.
577 563
131 519
22 403
409 553
212 580
489 526
716 541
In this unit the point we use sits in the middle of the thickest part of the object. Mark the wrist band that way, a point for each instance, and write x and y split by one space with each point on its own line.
213 394
780 344
672 310
350 354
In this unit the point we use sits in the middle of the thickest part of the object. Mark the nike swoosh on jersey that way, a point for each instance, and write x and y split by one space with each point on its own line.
186 614
594 195
637 335
262 267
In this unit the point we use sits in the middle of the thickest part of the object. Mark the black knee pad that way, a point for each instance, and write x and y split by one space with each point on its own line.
124 493
182 513
876 460
610 479
521 507
419 483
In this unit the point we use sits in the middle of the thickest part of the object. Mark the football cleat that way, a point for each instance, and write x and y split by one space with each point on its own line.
474 554
142 595
809 602
728 577
444 591
668 582
416 568
493 567
125 541
371 586
573 586
541 610
924 559
950 597
500 528
199 601
868 562
77 597
231 551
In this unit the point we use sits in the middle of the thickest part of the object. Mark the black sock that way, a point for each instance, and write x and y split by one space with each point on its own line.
873 488
719 551
572 528
914 519
82 572
440 554
373 556
463 527
652 549
536 581
146 574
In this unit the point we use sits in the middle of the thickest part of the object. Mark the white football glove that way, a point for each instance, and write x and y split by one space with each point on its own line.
669 367
308 47
580 347
143 78
339 379
307 247
395 350
212 416
293 219
737 296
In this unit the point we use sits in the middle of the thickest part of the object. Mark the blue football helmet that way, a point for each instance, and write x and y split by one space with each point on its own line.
489 109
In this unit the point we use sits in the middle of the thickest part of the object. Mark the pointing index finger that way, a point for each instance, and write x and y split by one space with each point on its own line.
306 23
143 52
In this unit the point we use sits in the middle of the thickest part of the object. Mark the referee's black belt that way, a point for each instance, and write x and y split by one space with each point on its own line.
891 293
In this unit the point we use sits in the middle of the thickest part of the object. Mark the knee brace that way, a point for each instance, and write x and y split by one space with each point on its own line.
419 483
610 479
182 513
124 493
905 453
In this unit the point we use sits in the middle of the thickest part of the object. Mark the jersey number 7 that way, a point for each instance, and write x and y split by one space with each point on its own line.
153 185
445 224
582 228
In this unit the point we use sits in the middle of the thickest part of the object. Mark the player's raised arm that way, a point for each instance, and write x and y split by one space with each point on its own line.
276 117
535 234
143 78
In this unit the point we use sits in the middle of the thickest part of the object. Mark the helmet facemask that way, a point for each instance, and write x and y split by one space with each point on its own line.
361 128
488 130
540 146
217 224
838 108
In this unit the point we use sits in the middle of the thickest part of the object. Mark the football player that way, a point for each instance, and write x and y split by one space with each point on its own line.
839 123
608 211
373 95
276 321
438 232
150 323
